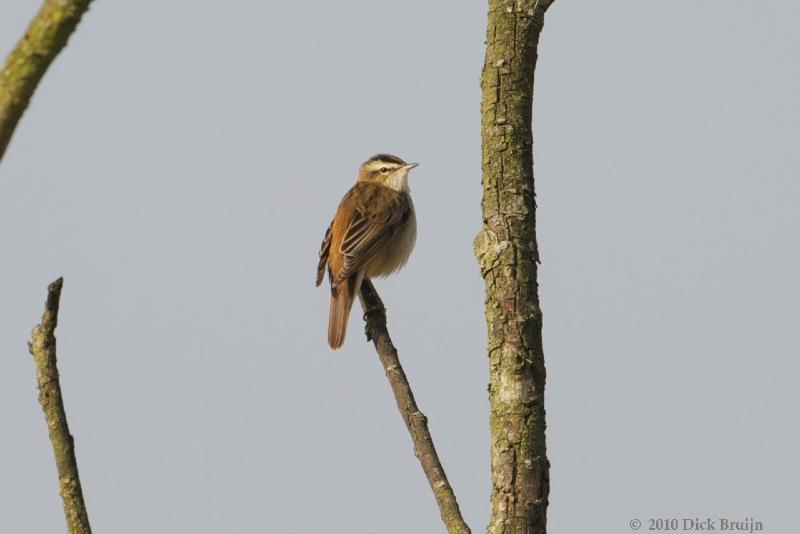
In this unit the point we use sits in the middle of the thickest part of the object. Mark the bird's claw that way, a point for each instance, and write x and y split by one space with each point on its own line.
378 309
372 315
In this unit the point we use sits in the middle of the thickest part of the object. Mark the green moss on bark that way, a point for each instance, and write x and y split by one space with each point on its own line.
47 34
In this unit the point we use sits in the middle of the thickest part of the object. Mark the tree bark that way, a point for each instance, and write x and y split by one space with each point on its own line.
47 34
43 349
507 252
415 420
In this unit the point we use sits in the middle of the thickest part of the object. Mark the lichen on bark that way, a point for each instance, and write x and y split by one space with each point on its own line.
43 349
507 252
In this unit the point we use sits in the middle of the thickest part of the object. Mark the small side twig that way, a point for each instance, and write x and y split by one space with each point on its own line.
43 349
415 420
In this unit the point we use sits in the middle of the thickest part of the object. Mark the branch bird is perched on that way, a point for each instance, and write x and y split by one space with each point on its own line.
372 234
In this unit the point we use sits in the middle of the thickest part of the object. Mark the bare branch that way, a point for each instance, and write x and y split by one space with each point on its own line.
43 349
415 420
47 34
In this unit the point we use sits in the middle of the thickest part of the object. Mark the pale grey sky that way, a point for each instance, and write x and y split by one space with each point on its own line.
179 165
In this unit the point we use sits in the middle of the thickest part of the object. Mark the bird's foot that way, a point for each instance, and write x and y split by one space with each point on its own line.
375 309
374 317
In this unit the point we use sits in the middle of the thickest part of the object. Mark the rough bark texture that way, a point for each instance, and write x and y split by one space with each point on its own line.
43 349
507 251
47 34
415 420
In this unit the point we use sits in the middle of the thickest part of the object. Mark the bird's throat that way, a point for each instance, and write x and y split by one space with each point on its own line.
398 181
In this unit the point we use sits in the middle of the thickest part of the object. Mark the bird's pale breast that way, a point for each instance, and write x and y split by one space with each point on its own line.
396 252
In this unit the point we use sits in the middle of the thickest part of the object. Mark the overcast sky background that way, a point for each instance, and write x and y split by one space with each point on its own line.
179 165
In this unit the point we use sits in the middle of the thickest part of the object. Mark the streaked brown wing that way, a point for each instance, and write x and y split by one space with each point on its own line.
372 224
324 249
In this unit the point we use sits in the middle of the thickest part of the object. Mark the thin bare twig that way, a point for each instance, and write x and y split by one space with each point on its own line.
415 420
43 349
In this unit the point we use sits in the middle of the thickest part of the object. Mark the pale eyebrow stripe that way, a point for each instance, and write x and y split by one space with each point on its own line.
375 165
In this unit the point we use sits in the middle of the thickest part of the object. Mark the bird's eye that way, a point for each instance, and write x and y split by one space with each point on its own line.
384 169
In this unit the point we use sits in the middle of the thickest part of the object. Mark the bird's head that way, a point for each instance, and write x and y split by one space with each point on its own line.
386 169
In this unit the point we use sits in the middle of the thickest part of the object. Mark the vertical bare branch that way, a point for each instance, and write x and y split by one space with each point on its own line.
507 251
47 34
415 420
43 349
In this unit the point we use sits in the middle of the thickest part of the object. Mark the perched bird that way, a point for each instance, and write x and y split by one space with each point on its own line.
372 234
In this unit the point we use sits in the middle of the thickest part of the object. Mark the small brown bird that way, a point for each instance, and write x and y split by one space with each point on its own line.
372 234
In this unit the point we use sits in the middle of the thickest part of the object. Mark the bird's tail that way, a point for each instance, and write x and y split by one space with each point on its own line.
342 297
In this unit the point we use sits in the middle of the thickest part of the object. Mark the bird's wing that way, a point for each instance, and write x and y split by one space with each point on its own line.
324 249
371 225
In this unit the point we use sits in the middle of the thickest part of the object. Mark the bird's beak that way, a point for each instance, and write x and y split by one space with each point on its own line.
410 166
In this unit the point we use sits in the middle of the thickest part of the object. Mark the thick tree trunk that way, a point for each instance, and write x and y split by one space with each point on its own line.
47 34
507 251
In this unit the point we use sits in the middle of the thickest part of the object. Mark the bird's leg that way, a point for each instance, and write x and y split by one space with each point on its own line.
371 303
375 309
